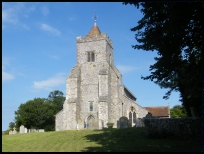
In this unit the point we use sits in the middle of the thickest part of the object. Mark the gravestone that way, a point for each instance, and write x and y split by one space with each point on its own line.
80 124
139 122
149 115
123 122
22 129
14 130
26 130
41 130
10 132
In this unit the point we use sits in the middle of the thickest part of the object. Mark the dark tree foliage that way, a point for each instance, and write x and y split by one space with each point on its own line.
173 29
57 99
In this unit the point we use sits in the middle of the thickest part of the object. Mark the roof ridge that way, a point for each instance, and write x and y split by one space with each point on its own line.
155 106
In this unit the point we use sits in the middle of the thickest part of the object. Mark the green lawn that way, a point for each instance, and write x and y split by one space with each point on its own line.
118 140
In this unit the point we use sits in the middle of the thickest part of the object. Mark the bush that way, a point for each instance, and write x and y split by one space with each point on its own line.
110 125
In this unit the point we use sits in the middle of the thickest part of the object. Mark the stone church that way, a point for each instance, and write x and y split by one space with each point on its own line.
95 94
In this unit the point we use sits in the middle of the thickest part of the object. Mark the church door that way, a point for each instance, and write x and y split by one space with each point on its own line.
91 123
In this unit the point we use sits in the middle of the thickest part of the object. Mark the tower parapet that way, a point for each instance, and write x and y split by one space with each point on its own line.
95 37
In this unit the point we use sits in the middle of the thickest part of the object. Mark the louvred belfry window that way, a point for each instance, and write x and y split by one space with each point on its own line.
90 56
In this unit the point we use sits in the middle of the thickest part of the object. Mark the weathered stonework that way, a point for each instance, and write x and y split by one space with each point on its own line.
95 94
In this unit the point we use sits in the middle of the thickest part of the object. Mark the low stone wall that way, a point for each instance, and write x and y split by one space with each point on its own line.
162 127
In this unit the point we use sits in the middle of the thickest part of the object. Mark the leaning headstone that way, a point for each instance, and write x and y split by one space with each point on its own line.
22 129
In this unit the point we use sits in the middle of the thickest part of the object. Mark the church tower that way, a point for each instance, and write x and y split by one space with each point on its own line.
95 94
94 57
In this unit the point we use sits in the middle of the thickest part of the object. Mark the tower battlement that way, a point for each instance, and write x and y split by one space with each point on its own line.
95 37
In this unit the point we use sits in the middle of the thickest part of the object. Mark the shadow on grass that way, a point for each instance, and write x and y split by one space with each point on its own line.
117 140
133 140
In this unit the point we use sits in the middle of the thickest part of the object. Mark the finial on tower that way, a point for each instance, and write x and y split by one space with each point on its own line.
95 18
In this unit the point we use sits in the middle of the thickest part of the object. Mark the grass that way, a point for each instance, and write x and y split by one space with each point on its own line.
110 140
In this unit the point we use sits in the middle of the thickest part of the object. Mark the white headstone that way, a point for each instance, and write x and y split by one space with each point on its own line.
14 130
10 132
22 129
25 130
41 130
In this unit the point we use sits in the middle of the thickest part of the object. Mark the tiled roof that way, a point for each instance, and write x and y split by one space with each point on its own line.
95 30
160 111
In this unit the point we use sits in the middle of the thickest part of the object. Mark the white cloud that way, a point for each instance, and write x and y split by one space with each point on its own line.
72 18
48 28
129 39
6 76
6 61
54 57
45 11
51 82
125 69
12 12
32 8
9 15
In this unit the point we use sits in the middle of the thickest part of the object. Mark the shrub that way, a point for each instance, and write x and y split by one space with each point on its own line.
110 125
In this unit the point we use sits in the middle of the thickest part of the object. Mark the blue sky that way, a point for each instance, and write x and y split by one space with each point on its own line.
39 50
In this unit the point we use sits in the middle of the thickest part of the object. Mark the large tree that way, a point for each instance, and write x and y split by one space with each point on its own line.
173 30
178 111
34 114
57 99
40 112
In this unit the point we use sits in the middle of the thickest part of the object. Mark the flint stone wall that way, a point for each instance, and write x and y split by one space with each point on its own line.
162 127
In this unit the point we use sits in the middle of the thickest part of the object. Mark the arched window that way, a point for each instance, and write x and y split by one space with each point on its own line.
132 116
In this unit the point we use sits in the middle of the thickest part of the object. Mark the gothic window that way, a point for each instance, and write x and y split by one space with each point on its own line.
132 116
91 106
90 56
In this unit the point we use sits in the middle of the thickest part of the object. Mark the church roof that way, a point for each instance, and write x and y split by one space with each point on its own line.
94 31
160 111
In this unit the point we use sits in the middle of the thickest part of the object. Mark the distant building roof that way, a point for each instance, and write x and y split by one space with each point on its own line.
159 111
